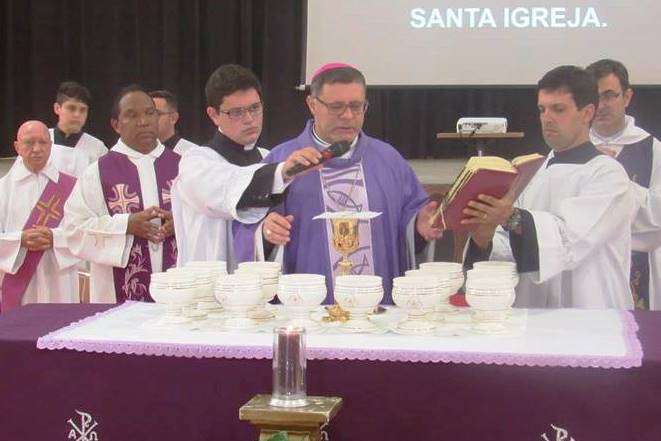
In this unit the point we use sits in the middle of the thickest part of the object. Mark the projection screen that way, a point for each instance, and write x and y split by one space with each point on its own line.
480 43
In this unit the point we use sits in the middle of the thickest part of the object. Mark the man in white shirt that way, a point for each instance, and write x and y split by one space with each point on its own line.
616 134
168 116
35 263
569 231
72 108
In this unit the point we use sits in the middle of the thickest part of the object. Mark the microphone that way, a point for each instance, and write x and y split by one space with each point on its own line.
335 150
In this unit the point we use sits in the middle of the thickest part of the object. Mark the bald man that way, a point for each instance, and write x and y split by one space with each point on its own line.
35 263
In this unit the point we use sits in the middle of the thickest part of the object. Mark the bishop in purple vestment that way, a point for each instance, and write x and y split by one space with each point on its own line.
372 176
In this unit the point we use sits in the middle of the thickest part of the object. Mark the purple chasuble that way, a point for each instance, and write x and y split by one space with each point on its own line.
121 189
391 187
48 212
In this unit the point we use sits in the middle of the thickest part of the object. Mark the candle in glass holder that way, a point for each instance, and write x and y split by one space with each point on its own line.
289 365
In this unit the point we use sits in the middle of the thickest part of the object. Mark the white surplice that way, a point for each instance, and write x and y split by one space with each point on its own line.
56 277
646 227
582 215
90 147
204 199
100 238
183 145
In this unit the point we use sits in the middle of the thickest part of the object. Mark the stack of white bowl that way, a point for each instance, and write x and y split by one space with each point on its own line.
498 267
359 295
452 270
446 285
238 294
300 295
490 294
418 296
214 269
203 302
175 291
269 273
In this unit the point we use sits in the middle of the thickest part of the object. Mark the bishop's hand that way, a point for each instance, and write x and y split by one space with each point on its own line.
276 228
423 222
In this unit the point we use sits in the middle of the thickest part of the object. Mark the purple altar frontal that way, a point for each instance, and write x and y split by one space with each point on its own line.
65 394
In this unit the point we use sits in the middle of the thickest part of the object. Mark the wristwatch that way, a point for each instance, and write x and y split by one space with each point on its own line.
514 221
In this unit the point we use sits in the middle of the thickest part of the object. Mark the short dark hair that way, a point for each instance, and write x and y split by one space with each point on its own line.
573 79
344 75
168 96
71 90
605 67
114 112
226 80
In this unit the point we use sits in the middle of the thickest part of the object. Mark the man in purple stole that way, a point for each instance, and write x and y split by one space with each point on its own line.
616 134
119 212
35 263
372 176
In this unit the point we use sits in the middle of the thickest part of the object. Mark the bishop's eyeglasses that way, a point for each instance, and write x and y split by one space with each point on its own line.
338 108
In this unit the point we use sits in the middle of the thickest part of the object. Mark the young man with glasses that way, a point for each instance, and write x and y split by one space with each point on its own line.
616 134
225 179
371 176
168 115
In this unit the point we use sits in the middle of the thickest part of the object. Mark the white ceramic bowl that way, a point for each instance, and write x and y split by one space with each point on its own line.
358 300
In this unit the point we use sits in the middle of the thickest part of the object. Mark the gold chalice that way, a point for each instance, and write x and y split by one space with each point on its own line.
345 241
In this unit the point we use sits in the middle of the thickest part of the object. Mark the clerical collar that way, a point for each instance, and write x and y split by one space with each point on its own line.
321 143
23 172
120 147
172 141
630 134
234 152
580 154
60 138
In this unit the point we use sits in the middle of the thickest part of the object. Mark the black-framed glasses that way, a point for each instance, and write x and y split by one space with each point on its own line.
338 108
609 95
238 113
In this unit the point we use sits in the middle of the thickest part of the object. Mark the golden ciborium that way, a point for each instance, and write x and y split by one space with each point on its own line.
345 241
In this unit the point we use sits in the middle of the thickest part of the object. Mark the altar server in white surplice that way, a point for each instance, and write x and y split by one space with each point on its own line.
616 134
119 212
569 231
35 263
72 107
225 179
168 116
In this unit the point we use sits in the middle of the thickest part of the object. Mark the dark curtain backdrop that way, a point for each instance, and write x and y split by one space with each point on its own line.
176 45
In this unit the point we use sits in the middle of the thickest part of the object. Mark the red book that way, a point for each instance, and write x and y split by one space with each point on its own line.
488 175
